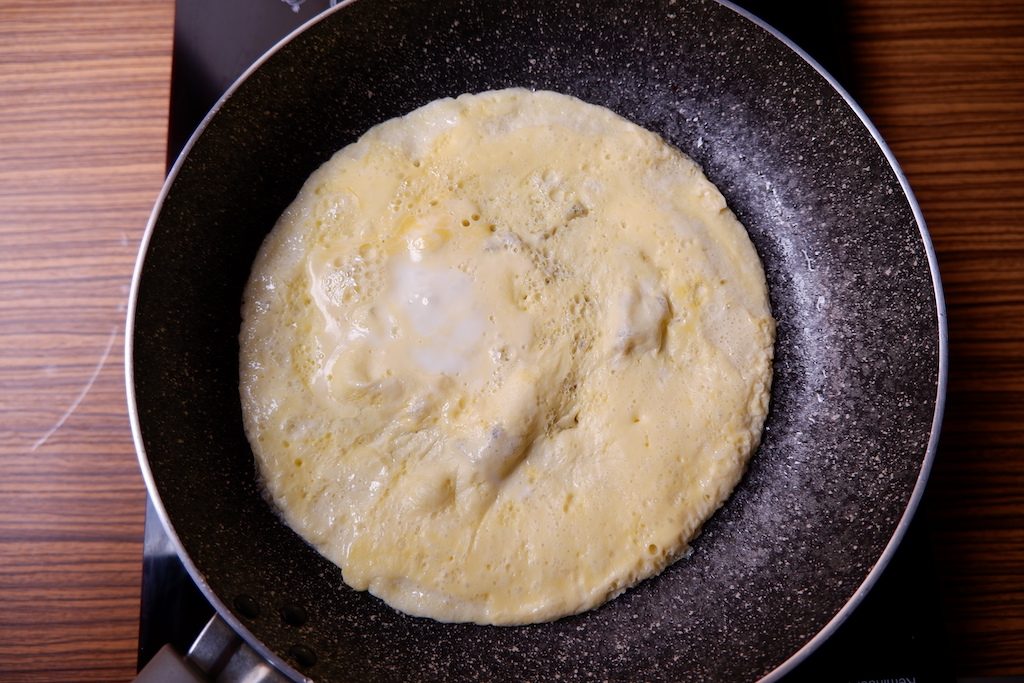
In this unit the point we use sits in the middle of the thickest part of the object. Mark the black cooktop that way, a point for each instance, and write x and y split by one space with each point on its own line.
894 635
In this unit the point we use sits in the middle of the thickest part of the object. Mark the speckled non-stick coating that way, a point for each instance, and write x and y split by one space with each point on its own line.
857 356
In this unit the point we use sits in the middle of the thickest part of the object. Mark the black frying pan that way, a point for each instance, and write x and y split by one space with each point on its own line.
860 357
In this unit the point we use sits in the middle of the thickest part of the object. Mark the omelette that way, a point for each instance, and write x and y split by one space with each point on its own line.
503 356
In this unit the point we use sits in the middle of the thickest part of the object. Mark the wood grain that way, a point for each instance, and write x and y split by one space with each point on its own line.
83 101
83 105
944 82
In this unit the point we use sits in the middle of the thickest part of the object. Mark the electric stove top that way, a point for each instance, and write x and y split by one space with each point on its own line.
895 635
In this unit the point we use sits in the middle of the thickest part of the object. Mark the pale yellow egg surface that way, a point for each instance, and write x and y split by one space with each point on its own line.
503 356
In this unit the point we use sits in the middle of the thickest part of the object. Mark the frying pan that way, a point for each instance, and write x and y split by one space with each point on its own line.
860 358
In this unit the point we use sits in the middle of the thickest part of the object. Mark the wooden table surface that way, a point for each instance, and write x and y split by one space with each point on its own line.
83 103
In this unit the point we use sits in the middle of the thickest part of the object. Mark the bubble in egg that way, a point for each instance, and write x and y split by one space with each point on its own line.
503 356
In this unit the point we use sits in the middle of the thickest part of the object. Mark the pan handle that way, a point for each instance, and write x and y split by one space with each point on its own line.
218 654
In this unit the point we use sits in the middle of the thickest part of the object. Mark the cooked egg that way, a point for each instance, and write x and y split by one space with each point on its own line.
503 356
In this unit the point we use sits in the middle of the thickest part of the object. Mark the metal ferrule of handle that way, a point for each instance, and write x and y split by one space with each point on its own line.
217 655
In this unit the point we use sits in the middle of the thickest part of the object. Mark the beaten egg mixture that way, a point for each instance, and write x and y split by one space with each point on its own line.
503 356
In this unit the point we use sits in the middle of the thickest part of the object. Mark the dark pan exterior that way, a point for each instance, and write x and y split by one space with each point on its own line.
860 358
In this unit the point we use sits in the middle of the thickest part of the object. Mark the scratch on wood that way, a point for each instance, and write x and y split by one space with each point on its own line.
81 395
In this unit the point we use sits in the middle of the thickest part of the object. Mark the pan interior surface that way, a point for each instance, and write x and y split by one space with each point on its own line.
857 352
